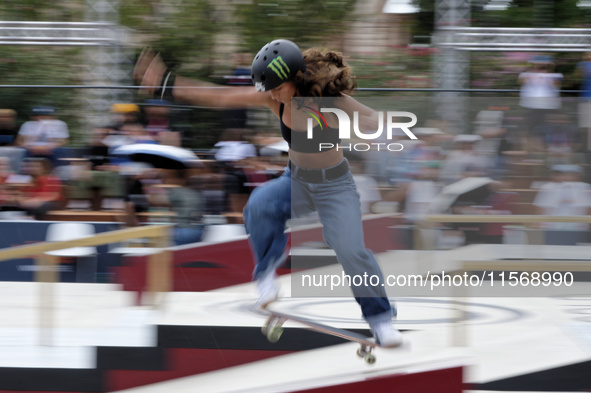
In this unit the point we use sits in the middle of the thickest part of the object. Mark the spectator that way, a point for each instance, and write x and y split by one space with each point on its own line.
8 128
43 135
97 146
419 194
5 172
421 191
463 160
211 187
5 168
237 117
187 205
561 138
489 125
232 152
123 113
136 133
417 152
233 147
43 193
367 186
565 195
126 134
540 94
135 176
93 178
583 74
158 123
499 143
487 199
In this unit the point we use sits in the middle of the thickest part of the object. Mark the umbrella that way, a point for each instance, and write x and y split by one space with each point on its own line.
469 187
159 156
275 148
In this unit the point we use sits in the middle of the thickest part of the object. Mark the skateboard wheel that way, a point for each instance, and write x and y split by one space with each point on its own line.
268 326
274 334
363 350
370 358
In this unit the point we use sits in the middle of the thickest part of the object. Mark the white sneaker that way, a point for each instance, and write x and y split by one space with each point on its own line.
268 290
386 335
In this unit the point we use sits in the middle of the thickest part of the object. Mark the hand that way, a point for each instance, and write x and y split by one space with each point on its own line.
148 71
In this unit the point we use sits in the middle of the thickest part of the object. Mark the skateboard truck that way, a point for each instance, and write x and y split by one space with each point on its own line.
365 352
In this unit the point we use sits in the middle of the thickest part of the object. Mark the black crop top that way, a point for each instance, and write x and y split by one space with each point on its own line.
301 143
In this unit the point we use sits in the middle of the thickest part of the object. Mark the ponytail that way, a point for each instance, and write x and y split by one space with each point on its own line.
326 75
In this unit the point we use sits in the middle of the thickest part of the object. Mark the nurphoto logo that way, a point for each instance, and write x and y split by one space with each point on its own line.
392 123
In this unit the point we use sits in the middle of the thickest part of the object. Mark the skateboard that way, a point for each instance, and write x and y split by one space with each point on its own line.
273 328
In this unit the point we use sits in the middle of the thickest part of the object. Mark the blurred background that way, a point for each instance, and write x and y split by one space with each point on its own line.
391 44
499 88
502 93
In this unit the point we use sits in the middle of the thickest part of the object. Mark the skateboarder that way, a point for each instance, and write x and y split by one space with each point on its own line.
318 180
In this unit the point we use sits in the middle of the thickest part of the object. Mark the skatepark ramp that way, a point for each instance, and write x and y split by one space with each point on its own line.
98 339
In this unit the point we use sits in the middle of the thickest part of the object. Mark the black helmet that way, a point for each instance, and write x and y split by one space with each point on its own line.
276 62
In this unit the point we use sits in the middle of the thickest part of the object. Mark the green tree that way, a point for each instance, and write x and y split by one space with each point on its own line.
519 13
38 11
183 31
303 21
531 13
27 65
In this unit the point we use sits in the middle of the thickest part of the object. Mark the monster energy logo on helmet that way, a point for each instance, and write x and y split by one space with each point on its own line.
277 66
277 62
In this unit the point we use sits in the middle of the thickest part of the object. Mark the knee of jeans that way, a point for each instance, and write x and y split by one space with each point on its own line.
357 255
261 200
256 206
270 200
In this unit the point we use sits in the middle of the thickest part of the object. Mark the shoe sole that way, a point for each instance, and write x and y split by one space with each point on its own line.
267 303
391 346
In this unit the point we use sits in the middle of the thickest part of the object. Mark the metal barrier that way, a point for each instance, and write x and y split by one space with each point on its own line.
490 219
460 328
159 271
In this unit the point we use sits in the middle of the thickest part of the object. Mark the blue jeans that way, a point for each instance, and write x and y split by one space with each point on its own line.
339 211
186 234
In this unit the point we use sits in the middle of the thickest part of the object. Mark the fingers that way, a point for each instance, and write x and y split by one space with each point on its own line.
153 75
148 71
148 61
144 59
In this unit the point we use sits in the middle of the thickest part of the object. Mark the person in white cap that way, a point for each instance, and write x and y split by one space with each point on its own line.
43 135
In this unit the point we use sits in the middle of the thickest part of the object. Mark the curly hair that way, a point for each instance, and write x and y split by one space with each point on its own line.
326 75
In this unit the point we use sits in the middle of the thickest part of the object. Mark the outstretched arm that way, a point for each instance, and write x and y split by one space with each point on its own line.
217 96
151 72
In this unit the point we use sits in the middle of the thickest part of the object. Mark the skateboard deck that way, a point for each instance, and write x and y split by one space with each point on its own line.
273 328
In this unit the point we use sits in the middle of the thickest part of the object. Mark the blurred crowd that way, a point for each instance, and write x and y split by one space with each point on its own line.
529 157
41 174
